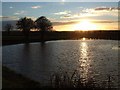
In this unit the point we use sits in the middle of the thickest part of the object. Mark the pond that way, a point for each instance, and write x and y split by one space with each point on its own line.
95 59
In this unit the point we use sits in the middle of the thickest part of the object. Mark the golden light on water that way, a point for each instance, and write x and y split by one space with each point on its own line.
84 60
85 25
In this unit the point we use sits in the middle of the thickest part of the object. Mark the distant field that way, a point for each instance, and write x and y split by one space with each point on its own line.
18 36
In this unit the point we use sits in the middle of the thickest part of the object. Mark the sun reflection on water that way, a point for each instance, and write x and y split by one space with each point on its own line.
84 61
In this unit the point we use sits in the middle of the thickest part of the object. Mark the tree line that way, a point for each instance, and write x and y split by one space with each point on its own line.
25 24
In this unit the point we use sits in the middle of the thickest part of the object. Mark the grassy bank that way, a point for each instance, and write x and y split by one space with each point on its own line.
15 37
11 79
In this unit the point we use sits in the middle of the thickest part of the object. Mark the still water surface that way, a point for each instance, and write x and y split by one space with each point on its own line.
96 59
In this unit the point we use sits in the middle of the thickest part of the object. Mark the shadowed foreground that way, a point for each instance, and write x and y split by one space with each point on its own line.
10 79
13 80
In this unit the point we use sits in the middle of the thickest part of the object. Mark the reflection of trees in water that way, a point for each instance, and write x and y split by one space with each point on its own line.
25 64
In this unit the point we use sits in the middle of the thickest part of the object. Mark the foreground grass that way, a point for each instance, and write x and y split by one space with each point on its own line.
74 80
59 81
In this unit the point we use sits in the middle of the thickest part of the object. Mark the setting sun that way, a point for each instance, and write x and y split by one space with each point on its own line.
85 25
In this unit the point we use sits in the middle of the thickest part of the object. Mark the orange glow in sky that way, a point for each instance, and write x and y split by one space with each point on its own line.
85 25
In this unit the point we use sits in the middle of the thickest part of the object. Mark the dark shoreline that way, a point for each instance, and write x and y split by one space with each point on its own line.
11 79
17 37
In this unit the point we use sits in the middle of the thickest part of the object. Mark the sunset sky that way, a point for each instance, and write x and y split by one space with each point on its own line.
66 16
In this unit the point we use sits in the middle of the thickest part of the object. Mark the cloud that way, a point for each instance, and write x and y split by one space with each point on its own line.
90 13
63 0
107 8
35 7
105 21
20 12
60 1
63 13
106 11
4 17
11 7
99 11
33 18
72 22
63 23
93 13
80 7
8 18
78 15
